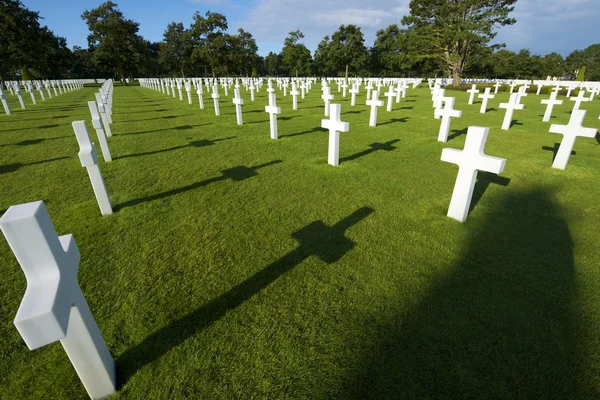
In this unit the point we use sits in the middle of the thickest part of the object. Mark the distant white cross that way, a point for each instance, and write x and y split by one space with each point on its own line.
238 101
522 92
4 103
53 307
570 132
551 102
294 92
472 92
446 114
496 87
215 96
510 107
484 100
200 98
512 87
252 91
353 92
438 101
579 99
374 102
273 110
99 127
390 94
470 160
326 97
335 126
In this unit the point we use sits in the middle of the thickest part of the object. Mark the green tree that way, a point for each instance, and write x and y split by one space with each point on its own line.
175 50
589 57
454 30
243 55
553 65
393 53
113 38
273 64
323 62
347 50
211 42
295 56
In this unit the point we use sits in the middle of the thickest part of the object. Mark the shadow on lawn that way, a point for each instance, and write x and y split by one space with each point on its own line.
329 243
515 122
554 150
501 324
457 133
236 174
394 120
32 128
598 138
316 129
176 128
13 167
484 180
387 146
197 143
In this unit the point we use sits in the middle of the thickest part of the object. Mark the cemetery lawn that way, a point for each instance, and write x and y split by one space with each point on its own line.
236 266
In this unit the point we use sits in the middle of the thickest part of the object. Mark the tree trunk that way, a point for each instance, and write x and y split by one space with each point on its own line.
456 76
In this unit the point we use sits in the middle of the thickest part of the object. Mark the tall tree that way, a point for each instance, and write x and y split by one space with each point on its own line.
589 58
273 64
211 41
113 38
243 56
392 52
553 65
176 50
347 50
295 56
454 29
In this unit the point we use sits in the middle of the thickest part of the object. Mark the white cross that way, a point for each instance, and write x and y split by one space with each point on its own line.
510 107
579 99
569 90
89 160
484 100
470 160
5 103
369 89
445 114
344 87
200 98
551 102
496 87
539 89
374 102
237 100
20 96
353 92
273 110
173 88
97 124
570 132
215 96
270 88
252 90
438 101
390 94
512 87
472 92
303 89
326 97
294 92
53 307
335 126
188 89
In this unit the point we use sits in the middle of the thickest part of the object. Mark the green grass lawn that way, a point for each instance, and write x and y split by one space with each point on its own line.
240 267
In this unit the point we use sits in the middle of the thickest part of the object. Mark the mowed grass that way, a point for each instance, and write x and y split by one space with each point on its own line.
236 266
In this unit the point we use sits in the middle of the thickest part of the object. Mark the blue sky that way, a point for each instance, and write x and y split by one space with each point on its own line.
542 26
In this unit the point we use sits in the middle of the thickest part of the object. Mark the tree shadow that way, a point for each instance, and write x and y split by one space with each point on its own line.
554 150
501 323
316 129
16 166
387 146
236 174
515 122
484 180
176 128
328 243
457 133
394 120
197 143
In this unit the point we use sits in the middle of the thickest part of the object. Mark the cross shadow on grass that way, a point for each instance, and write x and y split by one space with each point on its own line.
316 129
236 174
16 166
176 128
551 117
501 323
353 112
484 180
458 133
554 150
329 243
387 146
515 122
32 128
407 108
394 120
598 138
197 143
149 119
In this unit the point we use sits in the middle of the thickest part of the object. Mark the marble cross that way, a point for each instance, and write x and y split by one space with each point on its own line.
374 102
273 110
570 132
472 92
97 124
294 92
446 114
470 160
353 92
89 160
103 114
390 94
551 102
327 97
496 87
579 99
484 100
4 103
238 101
200 98
53 307
215 96
335 126
510 107
344 88
20 96
252 90
188 89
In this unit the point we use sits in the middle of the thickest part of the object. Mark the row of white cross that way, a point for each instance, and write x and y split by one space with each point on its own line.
15 89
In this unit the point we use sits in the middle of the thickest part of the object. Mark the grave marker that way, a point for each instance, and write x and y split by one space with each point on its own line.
335 125
484 100
446 114
273 110
570 132
510 107
374 102
97 124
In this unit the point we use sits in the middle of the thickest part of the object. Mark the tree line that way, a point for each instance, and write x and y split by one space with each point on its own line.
437 38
